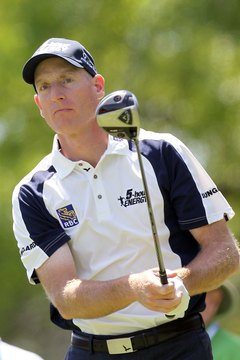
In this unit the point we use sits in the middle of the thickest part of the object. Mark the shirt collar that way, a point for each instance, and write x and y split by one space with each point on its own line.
64 166
116 146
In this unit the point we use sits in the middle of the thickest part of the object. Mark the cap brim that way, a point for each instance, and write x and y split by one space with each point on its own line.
30 66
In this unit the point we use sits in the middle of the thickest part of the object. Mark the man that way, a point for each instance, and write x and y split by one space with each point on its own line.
221 304
10 352
93 254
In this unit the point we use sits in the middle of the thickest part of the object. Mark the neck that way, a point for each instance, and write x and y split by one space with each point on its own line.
88 146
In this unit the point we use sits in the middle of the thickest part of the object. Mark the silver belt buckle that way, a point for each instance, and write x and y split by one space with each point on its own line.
120 346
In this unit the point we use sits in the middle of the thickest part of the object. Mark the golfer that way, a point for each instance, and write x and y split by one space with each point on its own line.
92 249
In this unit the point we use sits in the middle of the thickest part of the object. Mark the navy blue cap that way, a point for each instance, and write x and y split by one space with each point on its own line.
69 50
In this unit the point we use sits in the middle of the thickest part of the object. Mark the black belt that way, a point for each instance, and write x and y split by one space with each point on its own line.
136 341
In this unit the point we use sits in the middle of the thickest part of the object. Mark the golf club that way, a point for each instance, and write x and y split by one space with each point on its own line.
117 114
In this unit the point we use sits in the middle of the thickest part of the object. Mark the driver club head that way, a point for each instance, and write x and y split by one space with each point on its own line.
117 114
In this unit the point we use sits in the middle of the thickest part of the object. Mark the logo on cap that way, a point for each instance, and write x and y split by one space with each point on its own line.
86 59
53 47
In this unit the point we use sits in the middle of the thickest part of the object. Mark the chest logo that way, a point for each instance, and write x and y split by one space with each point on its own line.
68 216
132 198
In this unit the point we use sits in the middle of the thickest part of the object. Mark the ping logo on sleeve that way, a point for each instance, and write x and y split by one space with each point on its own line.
67 216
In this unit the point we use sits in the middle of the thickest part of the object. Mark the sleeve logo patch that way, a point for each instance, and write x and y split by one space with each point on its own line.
209 193
27 248
67 216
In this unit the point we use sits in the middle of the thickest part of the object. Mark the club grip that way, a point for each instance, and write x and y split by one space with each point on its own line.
163 277
164 281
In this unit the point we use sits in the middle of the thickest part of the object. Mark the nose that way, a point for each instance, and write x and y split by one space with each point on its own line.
57 93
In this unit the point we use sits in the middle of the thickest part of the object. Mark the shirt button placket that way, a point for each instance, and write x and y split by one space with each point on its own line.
99 195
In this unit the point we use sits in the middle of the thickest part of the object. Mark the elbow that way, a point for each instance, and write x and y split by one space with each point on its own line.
237 267
234 261
68 313
69 309
64 304
66 300
63 309
237 258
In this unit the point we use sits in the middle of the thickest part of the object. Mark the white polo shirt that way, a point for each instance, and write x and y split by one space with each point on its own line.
102 213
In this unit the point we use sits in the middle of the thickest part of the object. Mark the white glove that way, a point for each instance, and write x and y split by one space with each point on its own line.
182 307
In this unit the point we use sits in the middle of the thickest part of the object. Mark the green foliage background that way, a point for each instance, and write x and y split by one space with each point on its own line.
180 57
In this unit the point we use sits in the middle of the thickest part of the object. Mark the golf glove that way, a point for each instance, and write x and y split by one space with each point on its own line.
182 307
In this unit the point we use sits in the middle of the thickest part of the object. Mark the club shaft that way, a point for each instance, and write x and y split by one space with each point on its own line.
162 270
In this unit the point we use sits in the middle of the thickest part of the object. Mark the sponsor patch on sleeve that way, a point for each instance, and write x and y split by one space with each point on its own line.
67 216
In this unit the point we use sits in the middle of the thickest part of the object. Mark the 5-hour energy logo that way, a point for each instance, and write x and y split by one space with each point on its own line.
132 197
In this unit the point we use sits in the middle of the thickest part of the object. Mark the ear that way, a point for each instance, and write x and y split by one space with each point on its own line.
99 84
37 102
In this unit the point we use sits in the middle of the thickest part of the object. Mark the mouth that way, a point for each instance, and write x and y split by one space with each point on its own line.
60 111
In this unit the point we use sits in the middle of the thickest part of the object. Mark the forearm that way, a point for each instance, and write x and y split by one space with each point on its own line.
75 297
93 299
214 263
